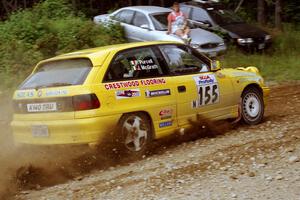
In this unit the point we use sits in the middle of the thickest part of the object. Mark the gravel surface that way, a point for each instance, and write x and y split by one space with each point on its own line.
247 162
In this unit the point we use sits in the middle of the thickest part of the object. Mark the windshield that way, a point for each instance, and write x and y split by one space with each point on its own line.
225 17
160 21
59 73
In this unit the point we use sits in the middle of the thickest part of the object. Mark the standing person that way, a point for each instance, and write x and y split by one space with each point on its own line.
177 23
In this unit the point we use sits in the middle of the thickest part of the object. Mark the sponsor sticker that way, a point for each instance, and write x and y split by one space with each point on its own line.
244 73
124 94
207 90
157 93
205 79
165 124
51 93
166 113
134 83
25 94
39 93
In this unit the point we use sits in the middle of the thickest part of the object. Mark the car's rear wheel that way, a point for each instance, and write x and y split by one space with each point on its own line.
252 106
134 133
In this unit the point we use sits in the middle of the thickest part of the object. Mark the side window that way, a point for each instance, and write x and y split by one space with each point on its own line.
181 60
140 19
186 10
198 14
124 16
134 64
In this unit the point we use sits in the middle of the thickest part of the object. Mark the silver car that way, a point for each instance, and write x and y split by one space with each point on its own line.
149 23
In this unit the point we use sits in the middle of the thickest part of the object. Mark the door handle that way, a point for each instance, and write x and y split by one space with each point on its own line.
181 88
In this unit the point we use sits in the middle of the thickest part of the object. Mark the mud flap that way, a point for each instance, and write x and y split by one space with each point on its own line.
239 113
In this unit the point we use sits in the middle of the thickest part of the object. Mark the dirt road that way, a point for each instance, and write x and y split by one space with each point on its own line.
258 162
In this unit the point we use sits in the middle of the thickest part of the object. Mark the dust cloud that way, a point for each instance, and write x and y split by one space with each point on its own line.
33 167
29 167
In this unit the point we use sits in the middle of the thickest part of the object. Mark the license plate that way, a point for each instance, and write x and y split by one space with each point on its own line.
42 107
261 46
40 131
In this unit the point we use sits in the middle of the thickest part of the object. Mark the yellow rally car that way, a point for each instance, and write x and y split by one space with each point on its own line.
148 90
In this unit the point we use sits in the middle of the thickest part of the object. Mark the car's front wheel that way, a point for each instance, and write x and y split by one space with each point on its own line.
252 106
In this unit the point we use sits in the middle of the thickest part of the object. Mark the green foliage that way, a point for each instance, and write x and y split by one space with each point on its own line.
288 42
48 29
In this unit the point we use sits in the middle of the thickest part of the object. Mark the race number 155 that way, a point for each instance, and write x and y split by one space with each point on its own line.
208 94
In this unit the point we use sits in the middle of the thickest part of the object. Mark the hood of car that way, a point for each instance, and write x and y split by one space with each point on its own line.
101 18
244 30
201 36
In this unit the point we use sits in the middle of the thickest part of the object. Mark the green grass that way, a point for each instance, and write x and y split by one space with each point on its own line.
280 63
276 67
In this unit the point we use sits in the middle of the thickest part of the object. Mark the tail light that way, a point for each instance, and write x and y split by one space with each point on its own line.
85 102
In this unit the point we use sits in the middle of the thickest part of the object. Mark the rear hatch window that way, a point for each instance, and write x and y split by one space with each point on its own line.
59 73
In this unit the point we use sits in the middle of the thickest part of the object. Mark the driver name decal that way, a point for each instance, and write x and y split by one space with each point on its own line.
145 64
207 90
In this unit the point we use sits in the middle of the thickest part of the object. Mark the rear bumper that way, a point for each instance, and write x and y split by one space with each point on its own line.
75 131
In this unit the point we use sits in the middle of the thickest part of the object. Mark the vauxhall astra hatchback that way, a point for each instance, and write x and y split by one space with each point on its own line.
134 92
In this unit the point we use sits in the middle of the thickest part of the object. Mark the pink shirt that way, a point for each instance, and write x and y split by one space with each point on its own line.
173 15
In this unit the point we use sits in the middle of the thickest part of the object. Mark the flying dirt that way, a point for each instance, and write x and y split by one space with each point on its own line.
217 160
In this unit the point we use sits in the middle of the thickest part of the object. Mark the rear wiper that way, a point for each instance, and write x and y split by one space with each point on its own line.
52 85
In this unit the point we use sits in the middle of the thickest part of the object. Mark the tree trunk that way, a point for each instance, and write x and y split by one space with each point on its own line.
239 5
139 2
74 4
278 11
162 3
261 15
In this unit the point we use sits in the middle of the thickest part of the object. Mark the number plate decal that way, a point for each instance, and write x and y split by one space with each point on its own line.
40 131
207 90
261 46
42 107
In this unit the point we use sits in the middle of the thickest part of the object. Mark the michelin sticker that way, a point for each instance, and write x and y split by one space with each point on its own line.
157 93
125 94
207 90
165 124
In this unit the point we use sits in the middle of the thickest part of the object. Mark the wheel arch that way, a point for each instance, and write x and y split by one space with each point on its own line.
147 115
252 85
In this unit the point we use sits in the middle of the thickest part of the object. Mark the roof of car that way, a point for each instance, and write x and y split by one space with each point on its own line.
98 55
205 5
148 9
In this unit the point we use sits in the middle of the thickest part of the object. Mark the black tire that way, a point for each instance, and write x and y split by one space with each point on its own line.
252 106
133 135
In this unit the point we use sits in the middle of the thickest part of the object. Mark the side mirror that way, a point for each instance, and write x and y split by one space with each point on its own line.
215 65
205 23
145 26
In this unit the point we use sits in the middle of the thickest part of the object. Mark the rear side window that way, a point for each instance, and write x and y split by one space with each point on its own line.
140 19
124 16
186 10
133 64
199 14
59 73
